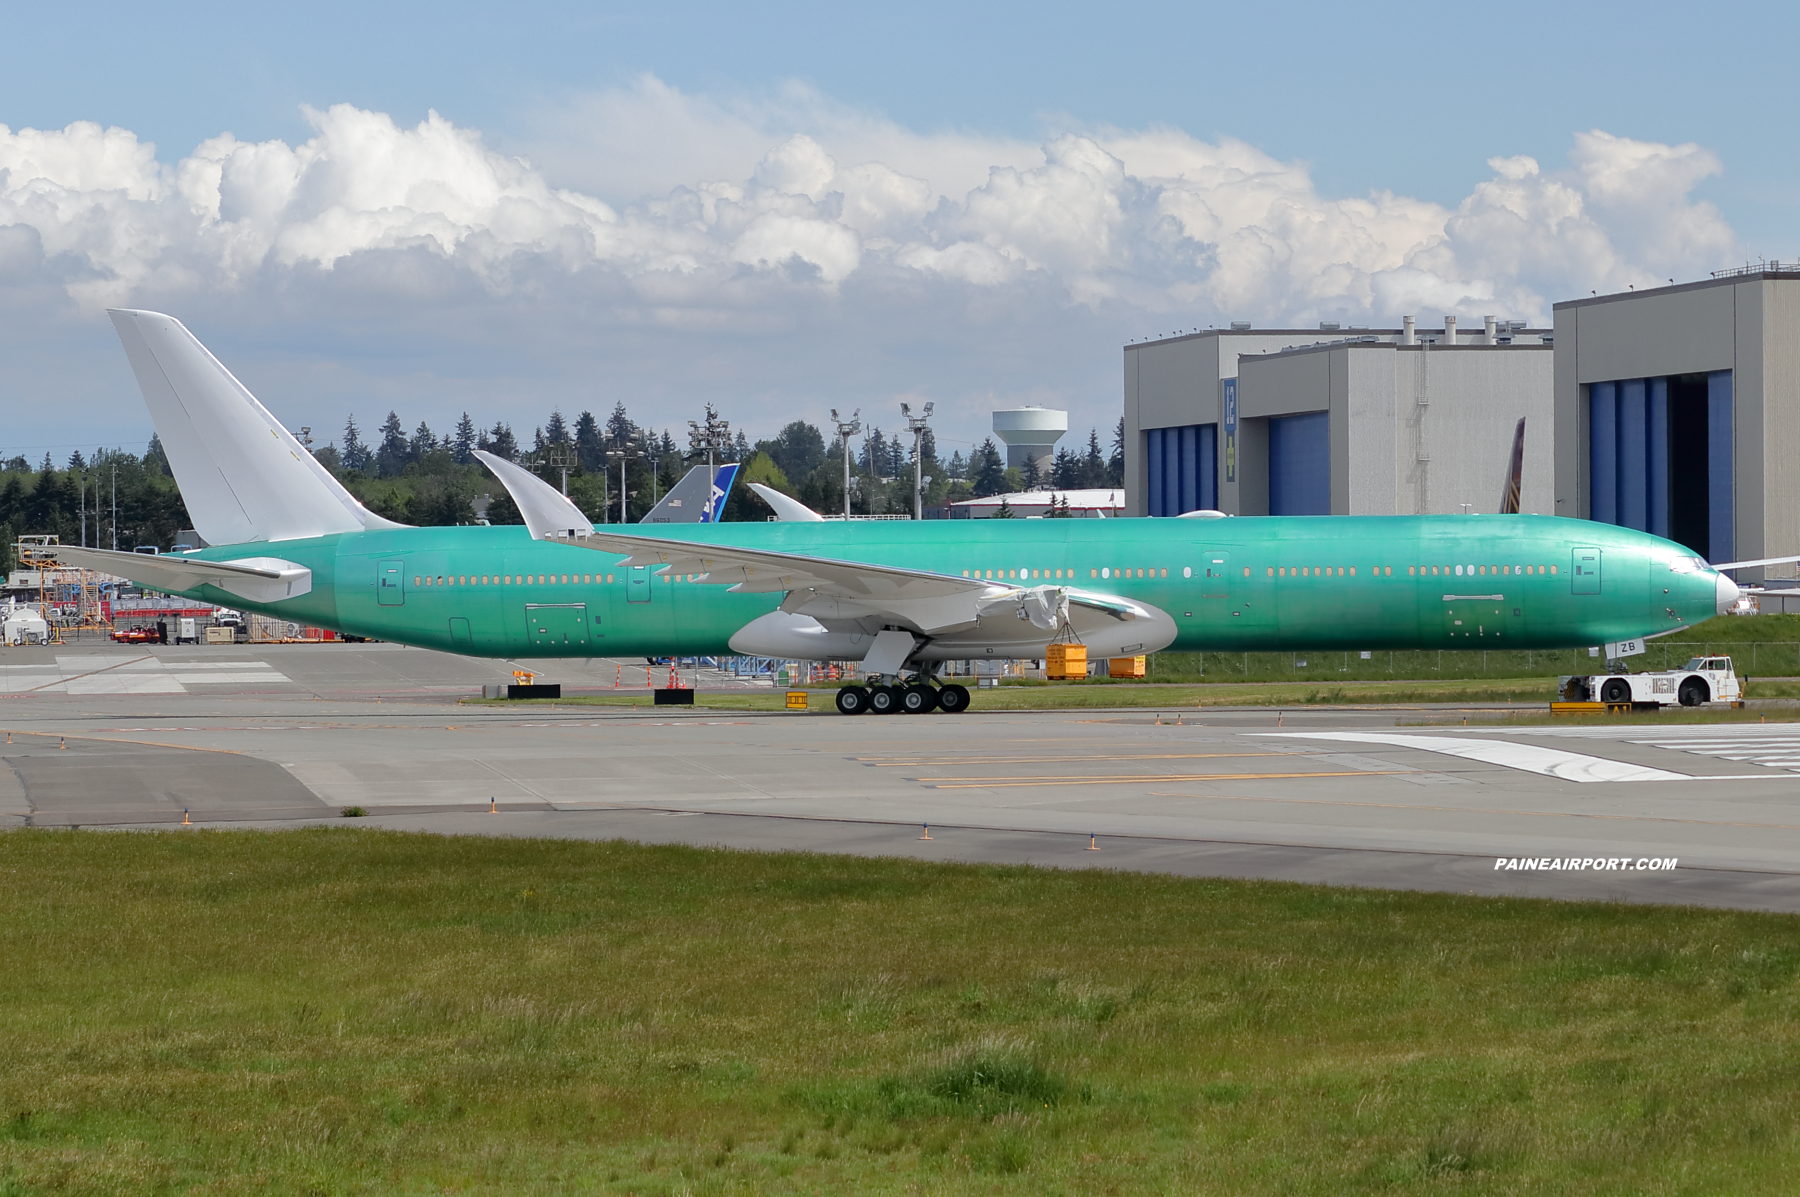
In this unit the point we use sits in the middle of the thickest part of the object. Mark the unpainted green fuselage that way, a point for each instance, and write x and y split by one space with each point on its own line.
1242 584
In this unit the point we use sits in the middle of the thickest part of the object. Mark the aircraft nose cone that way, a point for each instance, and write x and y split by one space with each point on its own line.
1725 592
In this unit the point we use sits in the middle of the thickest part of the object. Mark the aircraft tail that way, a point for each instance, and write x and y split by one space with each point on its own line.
1515 472
696 499
242 475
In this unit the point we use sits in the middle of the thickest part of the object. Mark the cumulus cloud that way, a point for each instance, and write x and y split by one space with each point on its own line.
1155 220
796 214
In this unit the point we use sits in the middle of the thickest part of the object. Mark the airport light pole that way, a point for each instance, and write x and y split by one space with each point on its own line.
711 436
917 424
562 456
621 455
847 429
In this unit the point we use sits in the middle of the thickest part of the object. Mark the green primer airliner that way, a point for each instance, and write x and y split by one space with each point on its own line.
287 540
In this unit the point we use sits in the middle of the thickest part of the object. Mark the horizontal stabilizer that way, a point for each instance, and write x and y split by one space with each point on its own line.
259 579
547 511
242 475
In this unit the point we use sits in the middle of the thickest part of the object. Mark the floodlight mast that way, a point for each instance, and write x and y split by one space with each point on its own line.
562 456
847 429
622 454
917 424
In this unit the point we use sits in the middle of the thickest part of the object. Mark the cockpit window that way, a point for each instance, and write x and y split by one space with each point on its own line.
1686 565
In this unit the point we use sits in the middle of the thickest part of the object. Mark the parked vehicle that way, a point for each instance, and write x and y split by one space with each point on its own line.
1702 680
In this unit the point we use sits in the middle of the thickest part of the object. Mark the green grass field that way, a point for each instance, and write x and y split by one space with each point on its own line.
350 1011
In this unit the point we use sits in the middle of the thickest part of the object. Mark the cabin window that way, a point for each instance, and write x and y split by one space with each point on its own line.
1187 571
1541 569
1352 570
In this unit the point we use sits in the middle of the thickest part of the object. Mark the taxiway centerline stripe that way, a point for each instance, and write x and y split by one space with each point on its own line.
1008 783
117 740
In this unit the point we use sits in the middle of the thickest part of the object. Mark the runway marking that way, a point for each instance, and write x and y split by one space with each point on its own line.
1773 746
1529 758
1008 783
890 763
1478 810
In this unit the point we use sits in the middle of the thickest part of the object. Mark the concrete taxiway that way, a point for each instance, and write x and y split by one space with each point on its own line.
119 736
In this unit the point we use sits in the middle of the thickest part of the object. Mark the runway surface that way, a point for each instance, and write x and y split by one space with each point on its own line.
116 736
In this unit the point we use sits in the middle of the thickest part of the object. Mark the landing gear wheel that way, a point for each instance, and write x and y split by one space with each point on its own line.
953 700
852 700
918 700
1693 693
1615 690
883 700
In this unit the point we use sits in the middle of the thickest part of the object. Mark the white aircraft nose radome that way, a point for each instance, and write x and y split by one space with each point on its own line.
1726 592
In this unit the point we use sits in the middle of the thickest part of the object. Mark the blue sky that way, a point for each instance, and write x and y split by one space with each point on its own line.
1382 134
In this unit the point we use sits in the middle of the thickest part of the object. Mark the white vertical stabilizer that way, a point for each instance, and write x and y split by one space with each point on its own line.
242 475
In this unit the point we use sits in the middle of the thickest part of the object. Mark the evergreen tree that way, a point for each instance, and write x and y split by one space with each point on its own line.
356 454
590 446
502 443
556 432
1029 472
898 456
76 461
155 458
987 470
957 466
537 441
393 453
619 427
928 446
423 442
462 447
1005 513
740 446
1115 466
1065 470
1093 465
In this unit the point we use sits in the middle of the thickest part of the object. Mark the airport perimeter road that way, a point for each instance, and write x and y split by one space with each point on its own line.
271 737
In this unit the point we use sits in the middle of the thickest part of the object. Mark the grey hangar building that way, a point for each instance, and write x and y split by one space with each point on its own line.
1669 409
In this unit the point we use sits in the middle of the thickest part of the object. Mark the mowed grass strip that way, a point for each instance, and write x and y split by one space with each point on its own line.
354 1011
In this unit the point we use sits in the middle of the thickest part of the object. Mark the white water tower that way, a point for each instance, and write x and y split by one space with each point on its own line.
1030 432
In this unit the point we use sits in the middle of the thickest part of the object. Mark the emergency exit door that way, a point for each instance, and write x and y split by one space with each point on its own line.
637 584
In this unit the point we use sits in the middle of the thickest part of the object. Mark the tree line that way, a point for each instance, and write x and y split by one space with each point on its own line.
428 479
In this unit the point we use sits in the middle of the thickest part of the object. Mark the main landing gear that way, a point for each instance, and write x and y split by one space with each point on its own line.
903 698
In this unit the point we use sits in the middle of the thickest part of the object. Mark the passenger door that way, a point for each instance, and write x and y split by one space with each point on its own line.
390 583
1584 569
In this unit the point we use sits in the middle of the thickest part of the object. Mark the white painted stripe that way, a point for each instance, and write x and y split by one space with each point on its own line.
1550 762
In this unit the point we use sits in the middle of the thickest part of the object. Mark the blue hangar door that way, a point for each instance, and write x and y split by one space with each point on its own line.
1300 464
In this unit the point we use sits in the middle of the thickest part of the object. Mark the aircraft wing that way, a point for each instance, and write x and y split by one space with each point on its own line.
831 589
765 571
261 579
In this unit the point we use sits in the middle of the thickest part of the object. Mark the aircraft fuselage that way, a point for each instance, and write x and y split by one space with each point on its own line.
1242 584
